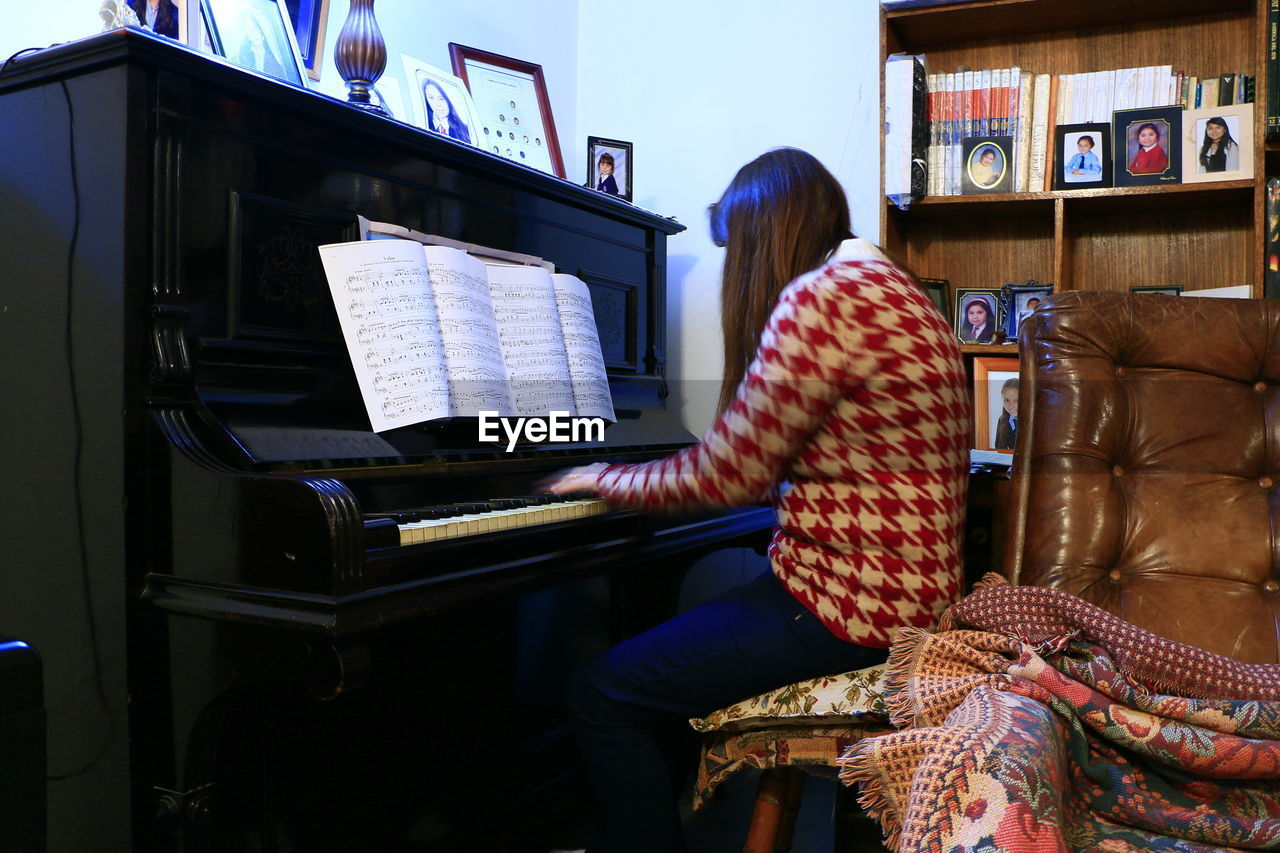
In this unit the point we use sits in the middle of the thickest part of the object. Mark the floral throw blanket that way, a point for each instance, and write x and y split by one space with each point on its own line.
1039 723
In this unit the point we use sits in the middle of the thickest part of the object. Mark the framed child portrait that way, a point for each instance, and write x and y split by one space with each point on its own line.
440 103
1148 146
1019 301
609 166
995 403
1217 144
976 320
257 35
1083 155
987 161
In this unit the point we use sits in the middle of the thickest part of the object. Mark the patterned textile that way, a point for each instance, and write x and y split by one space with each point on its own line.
848 698
815 749
857 398
1049 737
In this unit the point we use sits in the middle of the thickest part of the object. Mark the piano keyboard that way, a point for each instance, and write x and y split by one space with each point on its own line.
458 521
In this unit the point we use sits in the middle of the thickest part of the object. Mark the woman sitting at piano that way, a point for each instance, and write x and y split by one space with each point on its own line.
844 404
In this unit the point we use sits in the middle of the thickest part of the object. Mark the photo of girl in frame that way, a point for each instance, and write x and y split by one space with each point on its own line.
987 165
1217 144
1148 146
975 320
609 166
995 403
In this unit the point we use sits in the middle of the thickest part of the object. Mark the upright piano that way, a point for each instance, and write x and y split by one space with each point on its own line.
200 532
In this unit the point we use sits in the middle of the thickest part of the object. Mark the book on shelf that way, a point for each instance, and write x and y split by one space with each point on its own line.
1022 128
1209 92
1039 133
907 136
1271 248
1273 70
435 332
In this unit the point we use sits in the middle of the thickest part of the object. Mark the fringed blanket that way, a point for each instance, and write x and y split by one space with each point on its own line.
1055 726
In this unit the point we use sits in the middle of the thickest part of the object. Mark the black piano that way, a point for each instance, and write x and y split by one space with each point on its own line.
243 650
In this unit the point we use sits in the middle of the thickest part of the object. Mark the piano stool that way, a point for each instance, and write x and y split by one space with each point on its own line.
796 730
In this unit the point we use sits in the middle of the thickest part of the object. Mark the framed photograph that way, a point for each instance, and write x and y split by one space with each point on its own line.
309 19
1083 155
515 112
1167 289
440 102
170 18
1148 146
976 320
1217 144
1017 301
255 34
939 292
995 403
609 166
987 161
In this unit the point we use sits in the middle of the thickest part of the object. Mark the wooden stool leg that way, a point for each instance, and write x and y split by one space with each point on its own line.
790 809
772 795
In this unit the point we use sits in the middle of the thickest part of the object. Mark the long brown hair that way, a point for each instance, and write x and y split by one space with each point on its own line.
781 216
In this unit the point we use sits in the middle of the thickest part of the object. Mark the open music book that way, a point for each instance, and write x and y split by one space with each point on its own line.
434 332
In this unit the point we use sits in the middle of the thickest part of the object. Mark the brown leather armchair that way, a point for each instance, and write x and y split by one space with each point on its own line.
1147 464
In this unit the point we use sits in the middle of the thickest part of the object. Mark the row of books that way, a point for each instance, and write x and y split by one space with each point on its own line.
1025 106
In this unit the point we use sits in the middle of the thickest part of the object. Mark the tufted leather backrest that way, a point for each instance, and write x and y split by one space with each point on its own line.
1147 463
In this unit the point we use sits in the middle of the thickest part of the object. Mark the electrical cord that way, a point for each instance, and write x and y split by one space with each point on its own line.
4 65
78 455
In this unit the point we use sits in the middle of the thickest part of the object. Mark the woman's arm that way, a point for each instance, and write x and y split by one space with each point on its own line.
803 366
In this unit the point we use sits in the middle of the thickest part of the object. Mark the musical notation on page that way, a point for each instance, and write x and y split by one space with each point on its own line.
434 332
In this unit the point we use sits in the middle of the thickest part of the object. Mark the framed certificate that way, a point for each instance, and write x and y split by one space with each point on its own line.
514 111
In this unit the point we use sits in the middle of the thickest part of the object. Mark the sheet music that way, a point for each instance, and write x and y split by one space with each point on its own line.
478 378
387 312
582 347
524 303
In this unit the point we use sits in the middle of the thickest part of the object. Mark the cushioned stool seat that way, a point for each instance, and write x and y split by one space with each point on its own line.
796 729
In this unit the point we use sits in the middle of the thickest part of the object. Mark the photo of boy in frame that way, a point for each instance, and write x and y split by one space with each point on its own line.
1083 156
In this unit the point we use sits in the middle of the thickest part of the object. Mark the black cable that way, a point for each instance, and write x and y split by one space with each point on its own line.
5 64
99 686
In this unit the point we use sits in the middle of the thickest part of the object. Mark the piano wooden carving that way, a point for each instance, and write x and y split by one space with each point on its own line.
201 534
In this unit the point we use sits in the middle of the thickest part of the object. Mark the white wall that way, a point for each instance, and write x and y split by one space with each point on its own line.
702 88
26 25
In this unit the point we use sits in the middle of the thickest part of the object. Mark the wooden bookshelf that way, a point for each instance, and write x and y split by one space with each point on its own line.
1194 235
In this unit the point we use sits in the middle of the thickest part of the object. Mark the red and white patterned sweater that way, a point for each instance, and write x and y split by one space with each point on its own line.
857 399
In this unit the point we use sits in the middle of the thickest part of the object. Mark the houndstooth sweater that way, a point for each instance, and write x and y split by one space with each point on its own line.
854 417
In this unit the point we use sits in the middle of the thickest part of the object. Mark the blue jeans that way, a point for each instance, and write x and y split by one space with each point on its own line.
751 639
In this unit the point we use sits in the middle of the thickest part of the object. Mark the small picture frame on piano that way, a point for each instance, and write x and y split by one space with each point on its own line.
609 166
257 35
440 103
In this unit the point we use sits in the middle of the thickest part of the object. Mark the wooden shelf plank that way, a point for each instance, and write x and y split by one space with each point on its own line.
1108 192
1169 196
941 26
990 349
